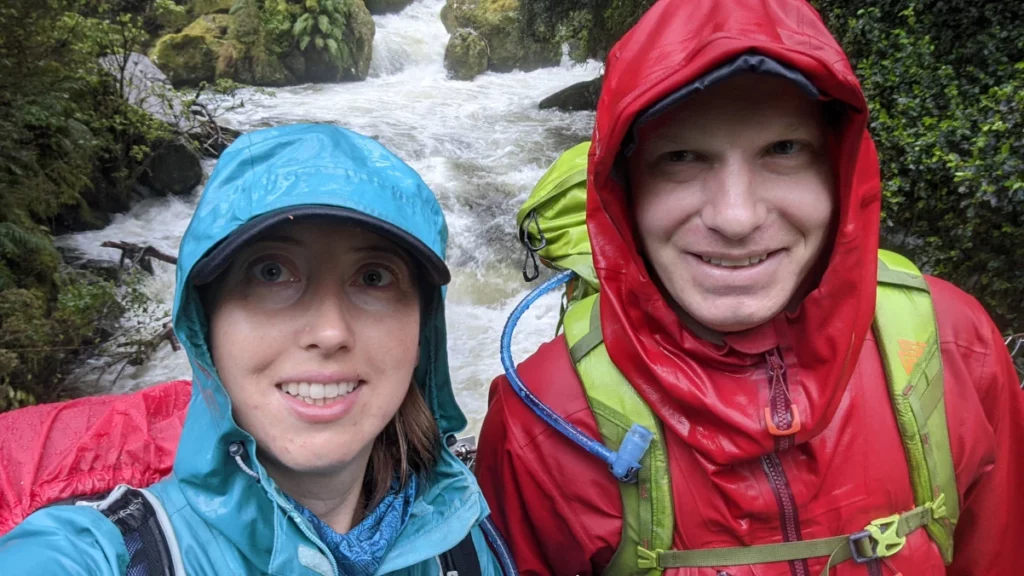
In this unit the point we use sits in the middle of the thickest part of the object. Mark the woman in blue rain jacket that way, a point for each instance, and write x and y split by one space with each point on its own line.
310 301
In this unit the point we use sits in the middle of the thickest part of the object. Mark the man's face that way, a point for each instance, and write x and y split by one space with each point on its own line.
733 198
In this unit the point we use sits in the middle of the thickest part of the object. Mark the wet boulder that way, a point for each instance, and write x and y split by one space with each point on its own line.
187 58
191 56
377 7
448 19
173 168
497 22
578 97
465 57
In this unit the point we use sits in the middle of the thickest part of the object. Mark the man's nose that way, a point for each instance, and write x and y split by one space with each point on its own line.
733 207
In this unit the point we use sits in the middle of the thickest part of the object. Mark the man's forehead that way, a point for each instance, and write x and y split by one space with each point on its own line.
749 102
752 64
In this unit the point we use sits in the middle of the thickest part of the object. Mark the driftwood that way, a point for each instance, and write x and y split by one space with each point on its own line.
139 255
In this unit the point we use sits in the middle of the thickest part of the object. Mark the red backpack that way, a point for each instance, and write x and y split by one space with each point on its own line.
56 452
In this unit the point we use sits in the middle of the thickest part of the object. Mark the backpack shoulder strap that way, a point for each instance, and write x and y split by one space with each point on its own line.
647 508
907 335
461 560
148 535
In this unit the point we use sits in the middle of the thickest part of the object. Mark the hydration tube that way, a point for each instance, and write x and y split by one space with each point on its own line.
508 566
624 462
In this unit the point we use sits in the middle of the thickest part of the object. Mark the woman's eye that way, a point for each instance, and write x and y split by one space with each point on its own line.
681 156
785 147
377 277
272 272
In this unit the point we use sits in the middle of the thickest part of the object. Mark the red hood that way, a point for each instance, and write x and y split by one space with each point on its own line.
713 395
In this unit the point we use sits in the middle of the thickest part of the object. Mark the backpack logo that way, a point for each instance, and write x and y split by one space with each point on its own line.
910 353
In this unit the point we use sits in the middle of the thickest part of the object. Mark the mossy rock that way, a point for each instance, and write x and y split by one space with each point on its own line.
186 59
448 19
254 69
203 7
214 25
465 57
497 22
169 21
358 51
377 7
361 30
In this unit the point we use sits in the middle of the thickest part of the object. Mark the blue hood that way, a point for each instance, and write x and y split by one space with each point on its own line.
274 169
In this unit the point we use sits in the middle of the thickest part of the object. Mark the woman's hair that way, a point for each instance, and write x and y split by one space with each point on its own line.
409 444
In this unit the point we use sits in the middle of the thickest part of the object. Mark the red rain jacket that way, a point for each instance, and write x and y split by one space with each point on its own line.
87 446
733 483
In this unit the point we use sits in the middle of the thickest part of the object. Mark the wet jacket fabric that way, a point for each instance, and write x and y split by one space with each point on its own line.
224 521
734 483
85 446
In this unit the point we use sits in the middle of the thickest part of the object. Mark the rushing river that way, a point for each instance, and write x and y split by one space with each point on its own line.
480 145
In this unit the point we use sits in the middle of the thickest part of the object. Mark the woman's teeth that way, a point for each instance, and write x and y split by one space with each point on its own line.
316 393
727 263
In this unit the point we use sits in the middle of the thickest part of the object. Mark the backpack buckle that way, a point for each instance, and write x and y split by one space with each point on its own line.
880 539
647 559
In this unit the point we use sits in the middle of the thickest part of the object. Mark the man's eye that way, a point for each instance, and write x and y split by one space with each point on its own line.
681 156
785 147
377 277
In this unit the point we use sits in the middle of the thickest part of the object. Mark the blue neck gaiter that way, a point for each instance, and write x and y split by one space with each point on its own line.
361 551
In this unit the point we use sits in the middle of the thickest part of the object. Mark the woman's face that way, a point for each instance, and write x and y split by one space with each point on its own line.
314 330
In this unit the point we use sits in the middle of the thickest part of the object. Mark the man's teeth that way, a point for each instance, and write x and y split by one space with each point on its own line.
727 263
317 393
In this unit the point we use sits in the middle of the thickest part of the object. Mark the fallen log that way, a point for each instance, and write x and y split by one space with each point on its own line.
139 255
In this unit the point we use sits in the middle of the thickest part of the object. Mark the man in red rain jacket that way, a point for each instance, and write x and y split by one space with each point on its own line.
733 209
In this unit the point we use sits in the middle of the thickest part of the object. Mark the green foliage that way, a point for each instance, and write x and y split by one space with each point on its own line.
945 85
590 27
323 24
70 143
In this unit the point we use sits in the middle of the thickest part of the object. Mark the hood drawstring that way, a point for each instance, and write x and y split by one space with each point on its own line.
236 449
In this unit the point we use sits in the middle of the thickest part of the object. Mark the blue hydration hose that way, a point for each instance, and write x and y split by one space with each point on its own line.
508 566
625 462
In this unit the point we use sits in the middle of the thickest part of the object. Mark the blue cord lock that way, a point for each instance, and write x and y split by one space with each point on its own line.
626 462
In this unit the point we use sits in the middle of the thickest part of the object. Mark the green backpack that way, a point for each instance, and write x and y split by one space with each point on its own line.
552 227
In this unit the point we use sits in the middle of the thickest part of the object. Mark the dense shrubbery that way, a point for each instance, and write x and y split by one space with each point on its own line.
70 145
945 83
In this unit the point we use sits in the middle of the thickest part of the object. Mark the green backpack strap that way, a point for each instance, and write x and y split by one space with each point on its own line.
647 509
907 335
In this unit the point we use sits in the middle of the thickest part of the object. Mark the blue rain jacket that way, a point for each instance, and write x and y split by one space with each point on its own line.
224 521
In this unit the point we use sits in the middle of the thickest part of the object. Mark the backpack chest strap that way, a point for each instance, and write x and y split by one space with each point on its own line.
880 539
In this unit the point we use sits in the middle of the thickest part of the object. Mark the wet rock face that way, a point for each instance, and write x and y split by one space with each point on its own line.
377 7
241 47
497 22
578 97
174 168
186 59
465 57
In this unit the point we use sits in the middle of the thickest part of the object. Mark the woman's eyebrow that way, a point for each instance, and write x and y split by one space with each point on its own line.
278 239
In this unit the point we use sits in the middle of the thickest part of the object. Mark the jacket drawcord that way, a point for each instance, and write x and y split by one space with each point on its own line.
236 449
